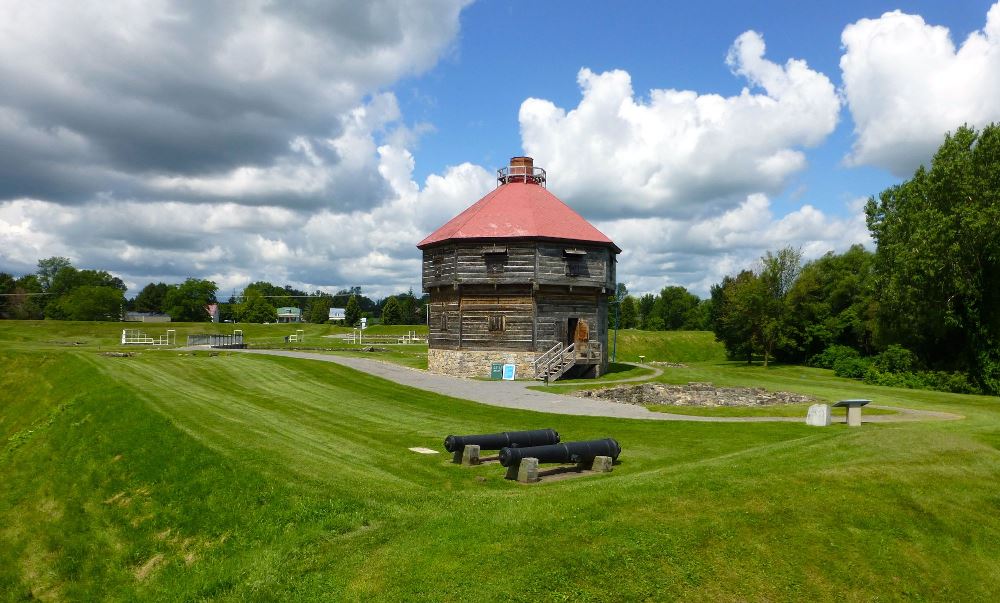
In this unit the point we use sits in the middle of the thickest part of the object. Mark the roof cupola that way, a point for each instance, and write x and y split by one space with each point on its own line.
521 169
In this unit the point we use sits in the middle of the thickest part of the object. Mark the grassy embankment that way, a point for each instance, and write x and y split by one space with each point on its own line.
39 335
171 477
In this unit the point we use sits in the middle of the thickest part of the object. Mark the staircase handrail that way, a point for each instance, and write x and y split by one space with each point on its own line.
547 356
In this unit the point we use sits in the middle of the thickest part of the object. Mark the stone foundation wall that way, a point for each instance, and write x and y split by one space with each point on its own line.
476 363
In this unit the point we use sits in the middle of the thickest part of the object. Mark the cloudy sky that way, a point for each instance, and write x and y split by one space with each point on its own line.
315 143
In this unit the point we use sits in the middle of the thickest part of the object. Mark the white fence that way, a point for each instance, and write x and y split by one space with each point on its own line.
139 337
358 337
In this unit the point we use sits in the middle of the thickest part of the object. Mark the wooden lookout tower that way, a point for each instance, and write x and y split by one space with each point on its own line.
519 278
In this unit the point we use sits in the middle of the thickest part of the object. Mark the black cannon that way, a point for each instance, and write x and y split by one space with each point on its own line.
567 452
496 441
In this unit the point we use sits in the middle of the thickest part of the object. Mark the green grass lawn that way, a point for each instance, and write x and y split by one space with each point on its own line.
667 346
170 476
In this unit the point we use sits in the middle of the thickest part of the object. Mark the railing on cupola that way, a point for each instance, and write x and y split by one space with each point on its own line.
521 169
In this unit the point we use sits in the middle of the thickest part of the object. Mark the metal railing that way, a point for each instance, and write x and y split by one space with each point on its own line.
521 173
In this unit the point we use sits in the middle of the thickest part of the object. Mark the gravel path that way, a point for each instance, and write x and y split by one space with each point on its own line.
515 394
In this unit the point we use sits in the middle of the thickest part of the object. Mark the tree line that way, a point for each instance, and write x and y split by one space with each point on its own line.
60 291
922 310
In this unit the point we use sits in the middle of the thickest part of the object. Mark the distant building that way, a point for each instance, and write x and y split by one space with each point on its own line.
289 315
338 314
146 317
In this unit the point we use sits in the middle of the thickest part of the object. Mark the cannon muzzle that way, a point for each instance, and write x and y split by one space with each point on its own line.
567 452
496 441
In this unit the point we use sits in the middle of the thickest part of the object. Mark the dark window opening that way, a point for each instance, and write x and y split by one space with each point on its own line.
497 323
444 322
495 263
496 257
576 262
438 263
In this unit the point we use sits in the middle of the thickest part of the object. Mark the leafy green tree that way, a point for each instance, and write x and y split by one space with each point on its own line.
25 304
7 284
150 299
937 260
832 304
255 308
392 313
676 307
750 311
66 280
777 275
352 313
187 302
734 303
319 309
48 268
89 302
629 316
646 316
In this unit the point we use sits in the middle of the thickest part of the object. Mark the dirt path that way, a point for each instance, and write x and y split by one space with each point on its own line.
515 394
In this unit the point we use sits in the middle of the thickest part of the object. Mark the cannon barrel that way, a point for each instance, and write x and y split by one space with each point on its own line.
567 452
496 441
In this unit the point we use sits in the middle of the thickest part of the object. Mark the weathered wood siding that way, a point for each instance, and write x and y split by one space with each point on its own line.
482 319
594 269
544 263
556 307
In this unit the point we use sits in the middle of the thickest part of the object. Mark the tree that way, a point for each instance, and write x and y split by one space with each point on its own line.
150 299
255 308
187 302
392 313
352 313
832 303
629 316
646 303
23 305
734 305
750 312
675 307
319 309
937 258
48 268
777 275
90 302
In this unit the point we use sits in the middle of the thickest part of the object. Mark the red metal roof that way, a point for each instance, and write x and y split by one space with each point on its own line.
519 210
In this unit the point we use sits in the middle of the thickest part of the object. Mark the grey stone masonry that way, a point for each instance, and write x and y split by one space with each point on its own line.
477 363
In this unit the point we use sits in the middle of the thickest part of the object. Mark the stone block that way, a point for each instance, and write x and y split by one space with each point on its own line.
527 471
602 464
818 415
854 416
470 455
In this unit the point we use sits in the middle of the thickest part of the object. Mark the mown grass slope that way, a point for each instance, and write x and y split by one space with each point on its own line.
667 346
171 476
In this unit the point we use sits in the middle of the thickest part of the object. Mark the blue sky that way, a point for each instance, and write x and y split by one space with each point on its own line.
473 104
315 144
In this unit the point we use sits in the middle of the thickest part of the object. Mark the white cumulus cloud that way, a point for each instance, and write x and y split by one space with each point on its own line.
907 84
679 151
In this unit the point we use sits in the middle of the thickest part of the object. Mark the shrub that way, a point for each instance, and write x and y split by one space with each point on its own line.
933 380
852 368
896 359
828 357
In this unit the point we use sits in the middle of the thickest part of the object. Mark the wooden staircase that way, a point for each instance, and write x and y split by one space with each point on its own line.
560 358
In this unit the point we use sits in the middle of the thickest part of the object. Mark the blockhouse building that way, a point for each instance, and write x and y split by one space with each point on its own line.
518 278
